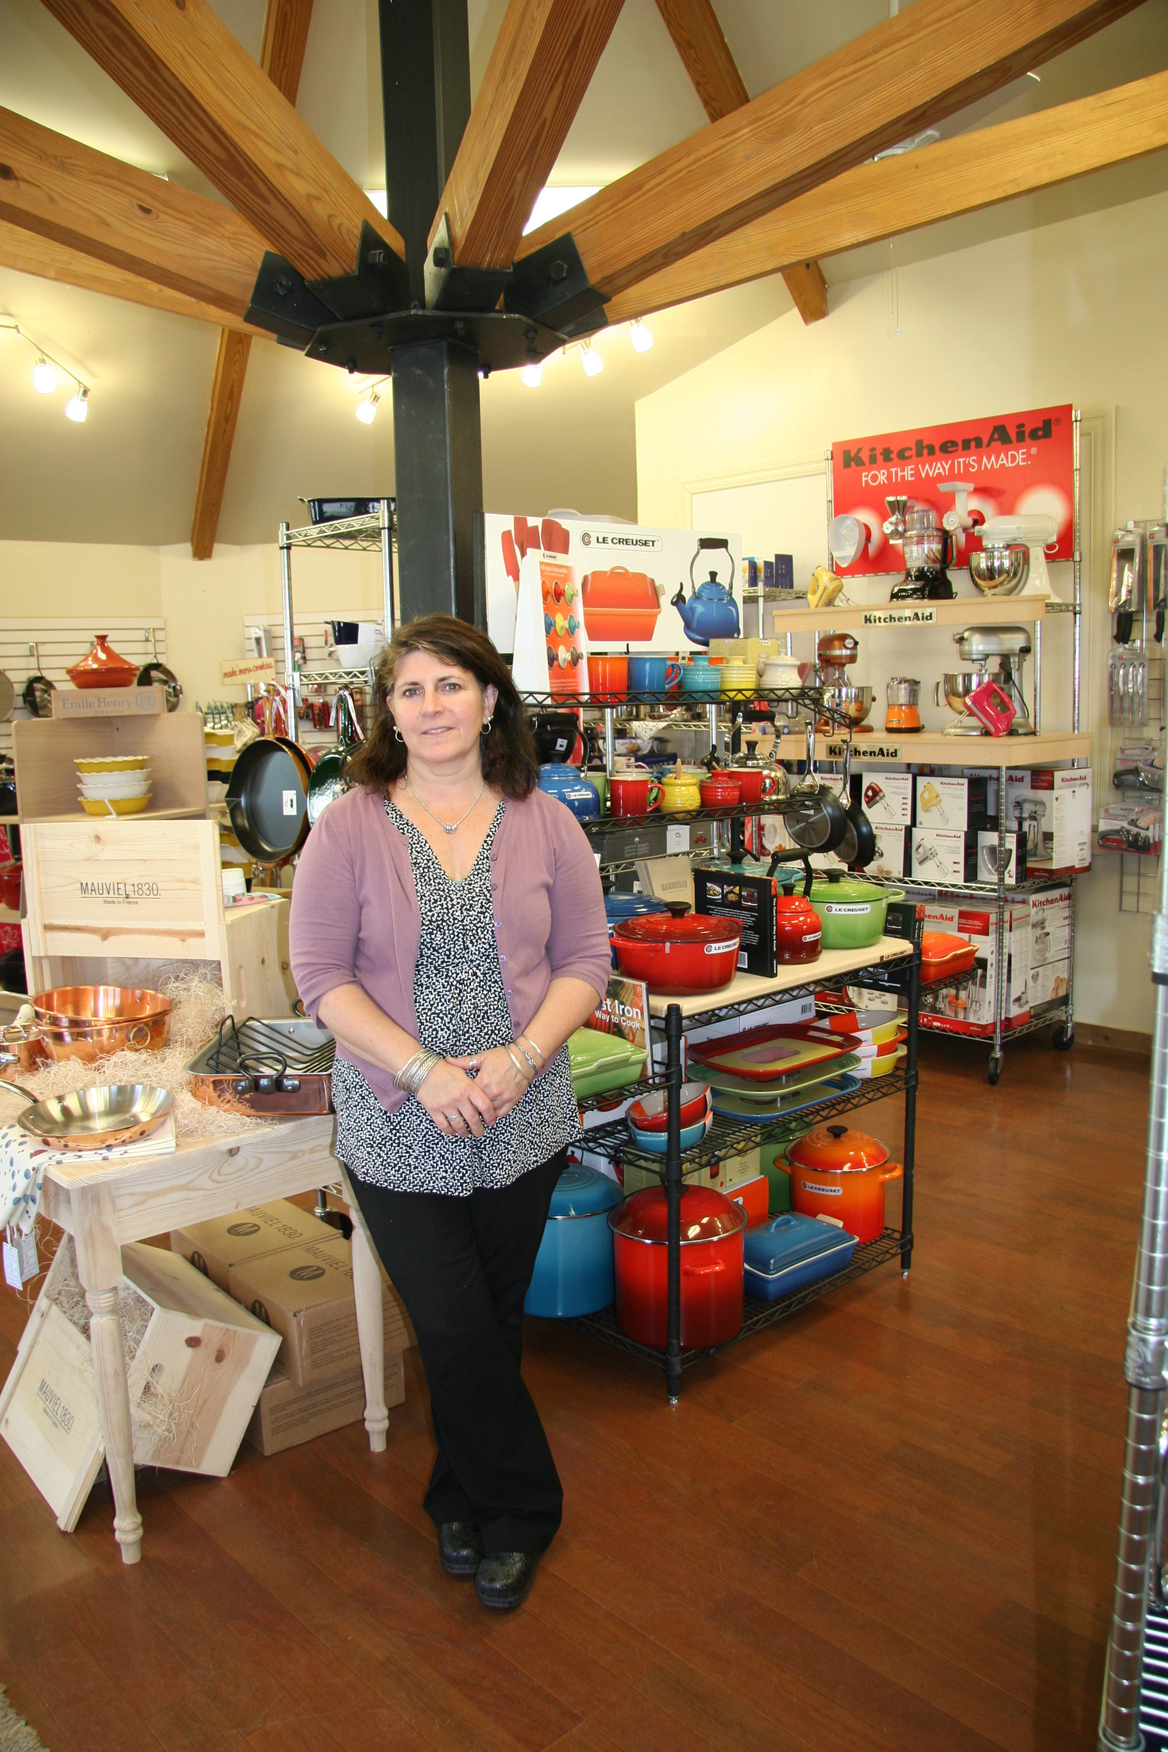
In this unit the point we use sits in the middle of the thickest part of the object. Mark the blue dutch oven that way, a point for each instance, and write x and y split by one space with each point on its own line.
573 1268
628 906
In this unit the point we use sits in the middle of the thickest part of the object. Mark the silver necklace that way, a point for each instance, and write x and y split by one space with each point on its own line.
446 826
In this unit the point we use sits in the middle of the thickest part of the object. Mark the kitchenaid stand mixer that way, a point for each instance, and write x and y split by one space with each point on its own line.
1008 647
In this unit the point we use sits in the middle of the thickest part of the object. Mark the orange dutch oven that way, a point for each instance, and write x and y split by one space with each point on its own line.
841 1173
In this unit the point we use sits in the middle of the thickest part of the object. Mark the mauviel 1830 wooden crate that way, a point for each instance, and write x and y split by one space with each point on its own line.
196 1364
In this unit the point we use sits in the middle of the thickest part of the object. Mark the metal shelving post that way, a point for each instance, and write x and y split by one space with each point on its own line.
372 533
673 1203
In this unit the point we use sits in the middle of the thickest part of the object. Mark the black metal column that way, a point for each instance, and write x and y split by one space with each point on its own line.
439 471
673 1202
425 81
910 1108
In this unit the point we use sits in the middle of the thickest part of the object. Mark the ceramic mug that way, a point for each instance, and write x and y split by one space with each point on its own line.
633 794
653 674
755 784
608 678
701 676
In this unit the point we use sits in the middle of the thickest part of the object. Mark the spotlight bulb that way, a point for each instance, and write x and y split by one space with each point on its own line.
77 407
366 409
533 374
641 337
591 361
44 378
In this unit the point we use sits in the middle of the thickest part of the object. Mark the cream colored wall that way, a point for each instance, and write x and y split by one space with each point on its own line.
1071 312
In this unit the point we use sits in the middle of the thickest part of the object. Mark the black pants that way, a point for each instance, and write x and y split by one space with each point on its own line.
462 1267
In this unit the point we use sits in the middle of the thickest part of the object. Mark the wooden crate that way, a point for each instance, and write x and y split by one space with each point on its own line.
104 897
196 1366
46 779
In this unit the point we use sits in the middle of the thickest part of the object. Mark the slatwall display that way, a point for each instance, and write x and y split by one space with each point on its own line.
61 644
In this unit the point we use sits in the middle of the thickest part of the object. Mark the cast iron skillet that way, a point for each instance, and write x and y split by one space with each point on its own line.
858 846
267 798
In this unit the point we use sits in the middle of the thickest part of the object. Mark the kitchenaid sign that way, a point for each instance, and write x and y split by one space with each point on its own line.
1003 465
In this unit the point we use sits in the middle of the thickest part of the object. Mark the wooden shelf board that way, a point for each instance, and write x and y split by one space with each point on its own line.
983 611
934 749
745 987
199 813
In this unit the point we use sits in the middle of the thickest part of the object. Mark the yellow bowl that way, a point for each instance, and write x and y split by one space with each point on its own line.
112 763
115 805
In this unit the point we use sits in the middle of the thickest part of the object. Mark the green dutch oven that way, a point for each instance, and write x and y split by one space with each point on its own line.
851 912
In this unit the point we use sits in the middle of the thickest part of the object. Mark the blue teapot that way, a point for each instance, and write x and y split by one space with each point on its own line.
573 790
711 612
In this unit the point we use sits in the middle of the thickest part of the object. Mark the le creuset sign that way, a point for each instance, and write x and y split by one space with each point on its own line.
1012 464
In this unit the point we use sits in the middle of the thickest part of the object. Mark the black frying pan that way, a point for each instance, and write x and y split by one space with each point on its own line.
267 798
37 697
156 671
858 846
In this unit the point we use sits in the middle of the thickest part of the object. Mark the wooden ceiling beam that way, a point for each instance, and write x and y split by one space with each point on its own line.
142 225
30 253
285 39
923 64
893 195
544 56
196 81
705 53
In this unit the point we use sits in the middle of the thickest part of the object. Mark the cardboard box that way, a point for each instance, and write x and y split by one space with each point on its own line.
216 1248
938 855
195 1365
109 702
887 798
1051 947
987 857
968 1008
890 856
306 1295
287 1415
623 845
751 900
1059 800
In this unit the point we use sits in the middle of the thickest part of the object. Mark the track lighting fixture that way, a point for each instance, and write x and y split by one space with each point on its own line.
367 407
44 378
641 337
44 374
533 374
590 359
77 407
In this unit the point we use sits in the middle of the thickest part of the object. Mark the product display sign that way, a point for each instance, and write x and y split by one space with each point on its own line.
608 586
1004 465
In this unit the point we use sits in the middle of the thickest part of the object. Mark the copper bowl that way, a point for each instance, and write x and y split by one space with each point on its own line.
90 1022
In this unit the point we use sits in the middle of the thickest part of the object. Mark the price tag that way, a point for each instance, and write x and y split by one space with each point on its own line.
20 1260
289 802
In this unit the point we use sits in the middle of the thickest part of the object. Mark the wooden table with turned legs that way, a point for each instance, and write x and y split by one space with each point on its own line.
105 1205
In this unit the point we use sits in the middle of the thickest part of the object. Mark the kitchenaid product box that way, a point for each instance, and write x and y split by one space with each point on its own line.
886 798
1052 806
938 855
287 1415
1013 850
891 852
218 1247
306 1295
1051 947
941 802
968 1006
751 900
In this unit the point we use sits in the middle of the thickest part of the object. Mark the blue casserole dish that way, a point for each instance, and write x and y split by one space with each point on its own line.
789 1252
573 1269
628 906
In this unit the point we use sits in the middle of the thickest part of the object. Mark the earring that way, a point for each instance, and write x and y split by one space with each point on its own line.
486 729
398 734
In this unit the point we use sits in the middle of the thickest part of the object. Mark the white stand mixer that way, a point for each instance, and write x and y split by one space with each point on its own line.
1033 532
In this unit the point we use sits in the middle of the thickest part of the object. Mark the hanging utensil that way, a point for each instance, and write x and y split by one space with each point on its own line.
858 846
156 671
328 780
814 817
37 696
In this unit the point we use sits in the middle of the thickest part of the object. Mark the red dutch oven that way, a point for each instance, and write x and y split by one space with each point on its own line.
798 930
841 1173
682 957
712 1305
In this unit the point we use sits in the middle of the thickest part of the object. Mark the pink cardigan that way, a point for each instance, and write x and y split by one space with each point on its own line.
355 918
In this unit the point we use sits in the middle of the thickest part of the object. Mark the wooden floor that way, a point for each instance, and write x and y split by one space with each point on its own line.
887 1525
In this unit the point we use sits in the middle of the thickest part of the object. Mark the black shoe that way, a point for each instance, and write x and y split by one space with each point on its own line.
460 1546
503 1580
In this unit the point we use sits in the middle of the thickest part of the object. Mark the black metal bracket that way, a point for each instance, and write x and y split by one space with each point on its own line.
380 281
552 286
282 303
449 287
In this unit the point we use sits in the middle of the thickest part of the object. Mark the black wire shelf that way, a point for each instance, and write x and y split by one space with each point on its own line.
867 1257
1054 1017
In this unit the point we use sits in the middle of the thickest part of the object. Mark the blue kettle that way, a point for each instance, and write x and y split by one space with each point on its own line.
573 790
711 612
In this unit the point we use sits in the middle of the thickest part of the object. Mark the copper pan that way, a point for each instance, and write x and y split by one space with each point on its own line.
93 1119
90 1022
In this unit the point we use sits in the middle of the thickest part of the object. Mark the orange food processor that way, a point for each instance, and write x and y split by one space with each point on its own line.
903 711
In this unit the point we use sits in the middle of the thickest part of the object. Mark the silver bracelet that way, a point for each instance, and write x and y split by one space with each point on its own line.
515 1062
415 1070
527 1056
534 1048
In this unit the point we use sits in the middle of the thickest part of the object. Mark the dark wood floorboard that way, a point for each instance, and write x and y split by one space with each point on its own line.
887 1526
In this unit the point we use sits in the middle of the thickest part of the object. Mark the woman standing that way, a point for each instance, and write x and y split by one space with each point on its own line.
448 927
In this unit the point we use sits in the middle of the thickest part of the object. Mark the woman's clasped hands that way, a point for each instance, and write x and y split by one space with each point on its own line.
465 1095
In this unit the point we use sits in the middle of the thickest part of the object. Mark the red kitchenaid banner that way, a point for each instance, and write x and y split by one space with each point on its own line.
1010 465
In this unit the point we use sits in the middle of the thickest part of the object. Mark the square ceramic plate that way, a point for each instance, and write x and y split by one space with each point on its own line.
767 1055
731 1106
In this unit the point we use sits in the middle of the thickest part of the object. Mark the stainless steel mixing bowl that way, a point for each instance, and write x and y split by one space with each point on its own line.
1000 571
956 687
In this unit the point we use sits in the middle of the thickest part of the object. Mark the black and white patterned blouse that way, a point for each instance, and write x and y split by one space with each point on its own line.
462 1009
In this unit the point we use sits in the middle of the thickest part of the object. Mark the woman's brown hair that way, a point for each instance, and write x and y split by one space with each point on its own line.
510 762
